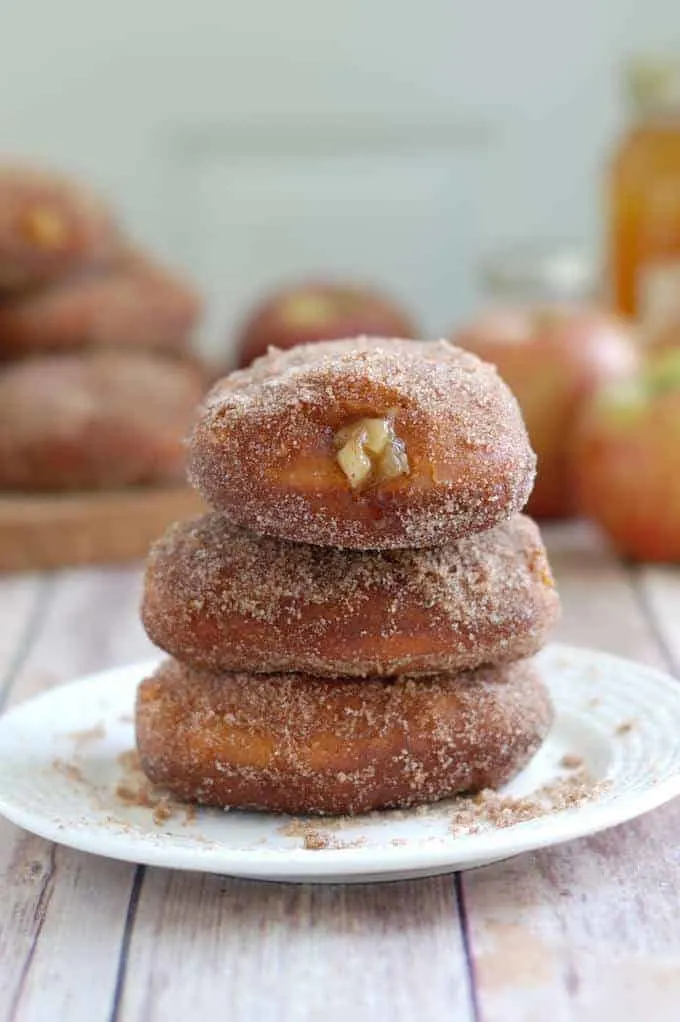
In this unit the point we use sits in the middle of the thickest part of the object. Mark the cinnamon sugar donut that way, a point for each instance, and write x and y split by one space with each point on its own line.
50 225
136 303
95 420
221 598
301 744
364 443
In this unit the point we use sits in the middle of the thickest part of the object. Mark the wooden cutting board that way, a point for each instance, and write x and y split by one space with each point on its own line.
63 530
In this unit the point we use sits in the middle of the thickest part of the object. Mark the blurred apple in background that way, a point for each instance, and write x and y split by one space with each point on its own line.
627 461
320 311
552 358
661 333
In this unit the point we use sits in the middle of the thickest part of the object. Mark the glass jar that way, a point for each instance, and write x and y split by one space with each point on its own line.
539 273
644 195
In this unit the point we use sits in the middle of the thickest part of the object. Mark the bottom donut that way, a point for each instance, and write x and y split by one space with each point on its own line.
301 744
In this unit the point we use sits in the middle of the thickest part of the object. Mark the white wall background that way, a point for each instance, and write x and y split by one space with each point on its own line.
250 141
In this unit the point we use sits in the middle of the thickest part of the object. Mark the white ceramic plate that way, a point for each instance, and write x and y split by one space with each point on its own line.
61 775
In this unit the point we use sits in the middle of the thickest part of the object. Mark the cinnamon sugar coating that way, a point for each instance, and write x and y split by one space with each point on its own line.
263 448
136 303
221 598
50 225
95 420
302 744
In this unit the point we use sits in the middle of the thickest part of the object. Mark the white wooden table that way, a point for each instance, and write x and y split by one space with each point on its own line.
587 931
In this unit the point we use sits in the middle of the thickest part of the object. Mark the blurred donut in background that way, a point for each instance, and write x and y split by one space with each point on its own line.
95 420
135 303
49 226
320 310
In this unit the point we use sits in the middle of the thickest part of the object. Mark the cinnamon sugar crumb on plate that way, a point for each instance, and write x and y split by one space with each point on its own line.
69 770
129 761
81 739
491 809
570 761
162 810
314 840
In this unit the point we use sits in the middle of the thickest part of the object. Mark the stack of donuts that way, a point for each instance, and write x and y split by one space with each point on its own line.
351 628
97 385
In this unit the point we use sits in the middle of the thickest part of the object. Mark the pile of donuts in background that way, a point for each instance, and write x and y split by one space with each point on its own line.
351 628
600 397
98 383
99 386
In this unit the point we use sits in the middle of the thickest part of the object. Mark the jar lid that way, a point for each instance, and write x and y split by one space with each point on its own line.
541 269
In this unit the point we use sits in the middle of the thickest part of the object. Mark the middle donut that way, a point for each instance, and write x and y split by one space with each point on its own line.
220 598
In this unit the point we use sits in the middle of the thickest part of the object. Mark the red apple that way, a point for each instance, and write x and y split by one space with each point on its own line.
662 334
627 461
552 358
317 311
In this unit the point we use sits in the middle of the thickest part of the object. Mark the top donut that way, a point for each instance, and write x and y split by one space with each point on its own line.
49 226
366 443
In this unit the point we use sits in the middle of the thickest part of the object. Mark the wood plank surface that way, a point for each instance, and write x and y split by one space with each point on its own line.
210 947
659 590
63 913
586 930
601 606
20 599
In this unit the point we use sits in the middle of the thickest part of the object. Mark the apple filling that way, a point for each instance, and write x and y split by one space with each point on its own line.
369 452
44 226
